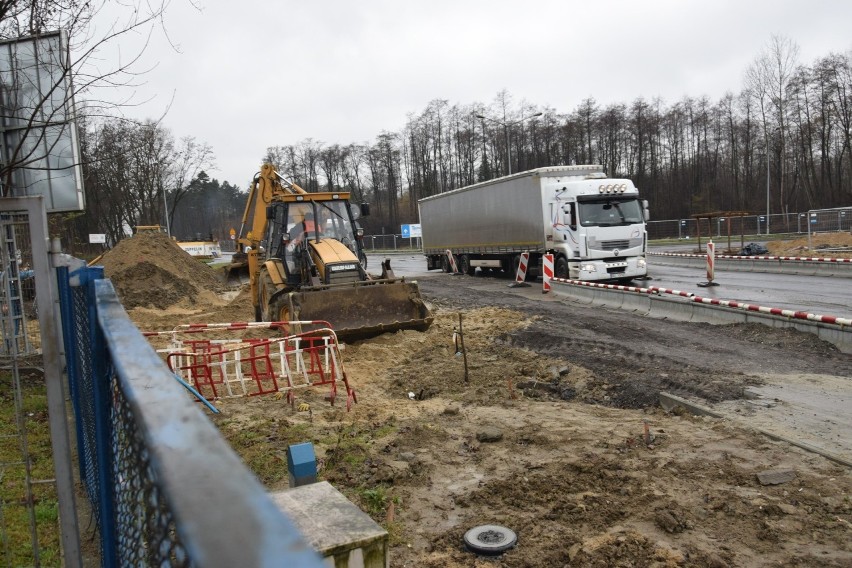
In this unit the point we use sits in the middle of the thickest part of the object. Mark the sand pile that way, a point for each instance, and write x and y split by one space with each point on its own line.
151 270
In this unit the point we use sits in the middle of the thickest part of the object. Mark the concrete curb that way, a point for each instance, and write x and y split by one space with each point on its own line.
669 401
683 309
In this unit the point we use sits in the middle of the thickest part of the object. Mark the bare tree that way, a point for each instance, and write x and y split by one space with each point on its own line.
38 118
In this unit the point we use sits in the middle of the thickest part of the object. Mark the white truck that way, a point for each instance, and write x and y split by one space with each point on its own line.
593 225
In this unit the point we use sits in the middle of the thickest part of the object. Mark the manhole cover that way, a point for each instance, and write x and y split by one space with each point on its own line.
490 539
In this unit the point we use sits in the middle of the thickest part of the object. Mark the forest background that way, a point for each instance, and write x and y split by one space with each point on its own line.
784 136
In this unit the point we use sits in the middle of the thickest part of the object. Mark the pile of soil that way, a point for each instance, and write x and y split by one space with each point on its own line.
835 245
150 270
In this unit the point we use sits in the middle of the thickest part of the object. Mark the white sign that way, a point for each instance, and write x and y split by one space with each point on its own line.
409 231
97 238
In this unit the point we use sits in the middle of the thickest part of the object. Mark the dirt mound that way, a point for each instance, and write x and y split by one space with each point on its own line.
836 245
151 270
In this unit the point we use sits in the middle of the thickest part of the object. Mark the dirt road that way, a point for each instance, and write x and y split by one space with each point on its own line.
547 436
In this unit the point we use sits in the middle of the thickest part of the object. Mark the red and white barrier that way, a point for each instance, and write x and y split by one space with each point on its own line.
453 268
233 367
768 258
791 314
521 276
711 261
547 273
773 311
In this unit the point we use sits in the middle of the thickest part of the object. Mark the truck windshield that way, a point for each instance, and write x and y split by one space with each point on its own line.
610 211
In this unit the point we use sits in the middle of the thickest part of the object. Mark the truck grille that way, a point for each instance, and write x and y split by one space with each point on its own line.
613 245
620 245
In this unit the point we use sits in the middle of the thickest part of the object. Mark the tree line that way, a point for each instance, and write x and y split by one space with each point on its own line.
785 137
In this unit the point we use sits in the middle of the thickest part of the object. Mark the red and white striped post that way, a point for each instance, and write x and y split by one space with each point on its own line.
547 273
711 261
521 276
452 260
711 266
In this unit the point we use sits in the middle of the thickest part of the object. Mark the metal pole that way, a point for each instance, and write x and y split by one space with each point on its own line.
53 368
166 208
508 150
767 184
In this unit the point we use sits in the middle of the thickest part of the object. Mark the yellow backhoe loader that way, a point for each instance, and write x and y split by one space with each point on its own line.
306 262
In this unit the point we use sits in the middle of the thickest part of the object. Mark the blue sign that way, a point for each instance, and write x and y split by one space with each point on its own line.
409 231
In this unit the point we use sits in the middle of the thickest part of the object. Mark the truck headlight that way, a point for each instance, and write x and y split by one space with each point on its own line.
588 268
641 263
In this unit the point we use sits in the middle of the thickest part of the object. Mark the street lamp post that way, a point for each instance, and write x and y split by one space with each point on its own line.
506 126
767 184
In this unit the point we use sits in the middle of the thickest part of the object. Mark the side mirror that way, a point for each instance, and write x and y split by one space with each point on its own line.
645 211
365 210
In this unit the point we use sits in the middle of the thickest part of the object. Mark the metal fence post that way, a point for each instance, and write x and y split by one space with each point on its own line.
101 386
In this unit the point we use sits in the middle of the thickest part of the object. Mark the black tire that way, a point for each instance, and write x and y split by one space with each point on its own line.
445 264
465 267
258 315
561 270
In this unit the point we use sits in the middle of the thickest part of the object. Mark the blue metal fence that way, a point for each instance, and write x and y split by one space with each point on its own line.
165 487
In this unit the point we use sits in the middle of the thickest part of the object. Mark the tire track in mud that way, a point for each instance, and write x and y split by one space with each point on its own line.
632 358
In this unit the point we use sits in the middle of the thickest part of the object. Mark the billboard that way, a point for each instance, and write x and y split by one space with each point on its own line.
39 137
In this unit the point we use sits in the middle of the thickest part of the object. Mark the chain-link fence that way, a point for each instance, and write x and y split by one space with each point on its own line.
828 221
19 308
392 242
752 226
165 487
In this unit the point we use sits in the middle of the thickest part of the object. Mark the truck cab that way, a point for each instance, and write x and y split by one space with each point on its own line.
597 227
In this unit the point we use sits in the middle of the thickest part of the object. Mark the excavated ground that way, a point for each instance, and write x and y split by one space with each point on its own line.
544 432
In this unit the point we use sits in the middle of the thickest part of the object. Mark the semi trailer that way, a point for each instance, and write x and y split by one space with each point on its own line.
593 225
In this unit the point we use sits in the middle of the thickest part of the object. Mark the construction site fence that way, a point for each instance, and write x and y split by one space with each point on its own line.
165 487
754 226
750 226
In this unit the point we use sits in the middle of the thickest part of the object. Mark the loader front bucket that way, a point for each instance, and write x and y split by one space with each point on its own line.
365 309
236 273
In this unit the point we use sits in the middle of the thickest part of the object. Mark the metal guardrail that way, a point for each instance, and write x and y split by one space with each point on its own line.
166 488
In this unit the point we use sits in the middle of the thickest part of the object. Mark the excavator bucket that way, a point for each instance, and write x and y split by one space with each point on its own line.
365 309
237 271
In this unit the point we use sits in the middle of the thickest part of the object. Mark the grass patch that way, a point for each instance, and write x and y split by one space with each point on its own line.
18 507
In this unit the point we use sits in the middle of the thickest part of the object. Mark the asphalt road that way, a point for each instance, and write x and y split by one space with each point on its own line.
814 294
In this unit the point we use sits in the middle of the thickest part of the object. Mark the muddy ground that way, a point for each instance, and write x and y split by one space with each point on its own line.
545 434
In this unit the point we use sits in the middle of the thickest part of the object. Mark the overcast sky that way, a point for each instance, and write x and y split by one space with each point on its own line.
250 74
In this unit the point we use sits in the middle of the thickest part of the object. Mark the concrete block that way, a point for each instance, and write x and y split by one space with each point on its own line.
341 532
301 464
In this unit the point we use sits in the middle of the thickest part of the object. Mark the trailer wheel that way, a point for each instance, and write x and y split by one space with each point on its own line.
465 267
561 269
445 264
